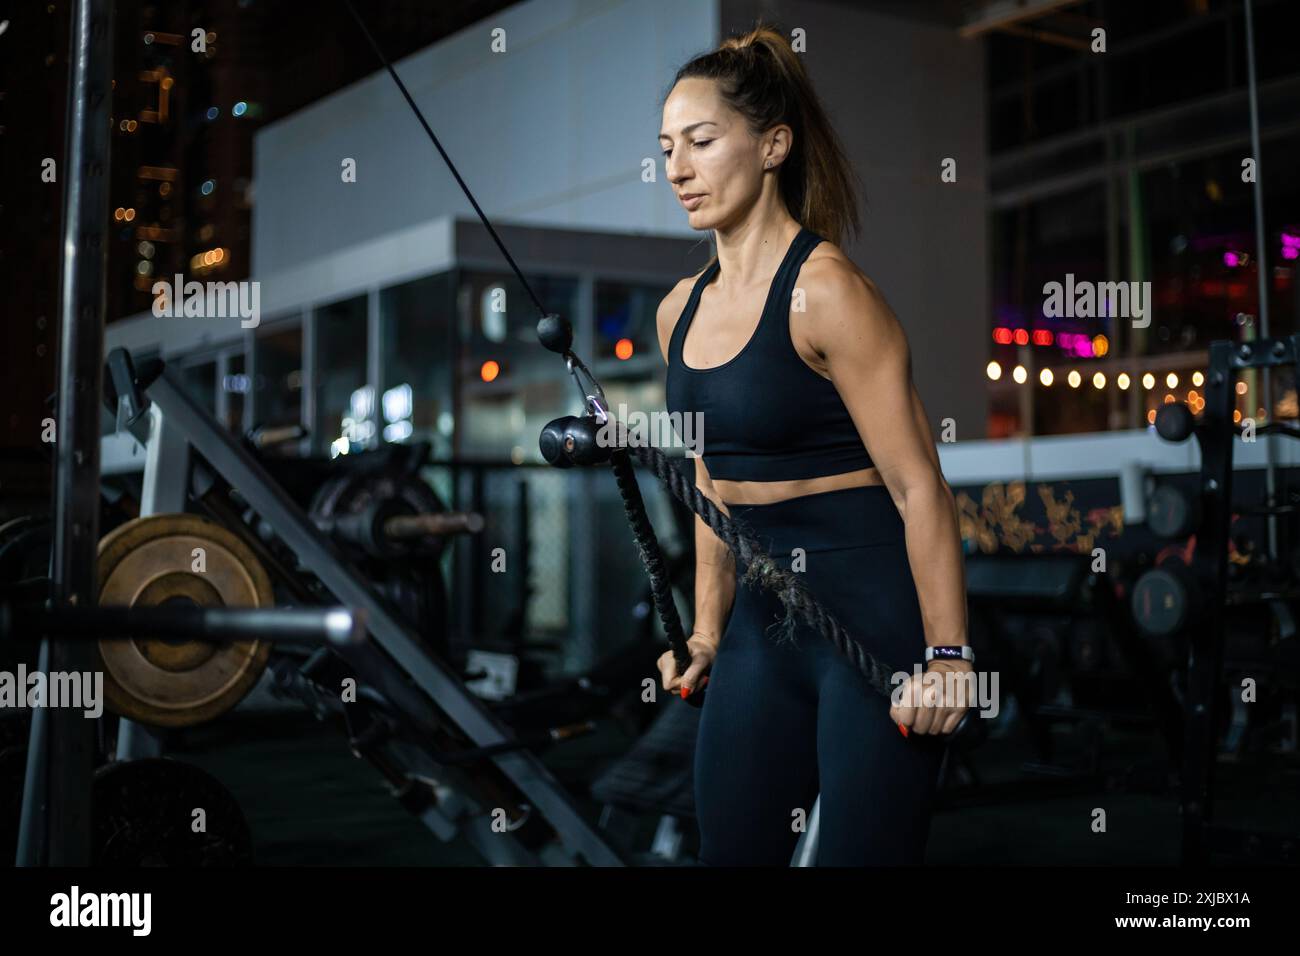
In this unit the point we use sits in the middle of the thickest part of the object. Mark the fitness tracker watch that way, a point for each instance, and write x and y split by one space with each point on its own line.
950 652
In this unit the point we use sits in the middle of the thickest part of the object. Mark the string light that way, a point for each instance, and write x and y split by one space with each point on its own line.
994 371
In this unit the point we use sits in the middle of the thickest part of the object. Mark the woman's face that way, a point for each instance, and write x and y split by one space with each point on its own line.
714 163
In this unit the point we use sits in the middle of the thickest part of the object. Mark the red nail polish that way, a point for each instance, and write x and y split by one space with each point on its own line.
704 682
686 692
902 730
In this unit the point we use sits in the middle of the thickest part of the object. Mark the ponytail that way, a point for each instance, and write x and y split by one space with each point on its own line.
763 79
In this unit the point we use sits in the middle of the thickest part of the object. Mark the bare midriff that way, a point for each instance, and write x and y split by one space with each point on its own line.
770 492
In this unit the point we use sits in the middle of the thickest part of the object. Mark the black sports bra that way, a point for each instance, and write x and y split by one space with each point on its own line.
764 415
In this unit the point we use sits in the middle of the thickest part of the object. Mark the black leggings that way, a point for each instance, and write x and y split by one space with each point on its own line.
783 722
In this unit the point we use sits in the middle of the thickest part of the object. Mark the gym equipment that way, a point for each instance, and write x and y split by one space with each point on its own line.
1166 600
389 514
419 710
655 776
169 560
144 814
1216 432
1062 590
268 436
163 812
395 528
24 549
436 715
597 437
178 623
1173 512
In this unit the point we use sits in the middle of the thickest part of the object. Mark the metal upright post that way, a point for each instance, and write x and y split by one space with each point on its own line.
1261 270
1211 567
70 745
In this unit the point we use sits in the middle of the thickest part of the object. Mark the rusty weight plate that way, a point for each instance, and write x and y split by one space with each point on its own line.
152 561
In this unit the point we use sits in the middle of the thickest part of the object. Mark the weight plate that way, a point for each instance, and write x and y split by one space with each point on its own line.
1171 513
1160 602
144 815
353 493
154 560
24 548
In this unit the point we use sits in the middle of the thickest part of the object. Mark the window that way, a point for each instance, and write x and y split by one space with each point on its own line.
345 404
415 402
278 380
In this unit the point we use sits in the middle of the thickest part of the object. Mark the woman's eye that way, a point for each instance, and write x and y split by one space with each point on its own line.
703 142
668 152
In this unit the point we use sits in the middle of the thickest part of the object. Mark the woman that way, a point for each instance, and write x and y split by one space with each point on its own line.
814 435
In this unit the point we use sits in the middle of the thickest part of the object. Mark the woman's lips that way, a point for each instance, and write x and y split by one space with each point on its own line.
691 201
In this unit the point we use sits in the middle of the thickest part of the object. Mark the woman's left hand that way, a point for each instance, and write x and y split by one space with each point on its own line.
931 706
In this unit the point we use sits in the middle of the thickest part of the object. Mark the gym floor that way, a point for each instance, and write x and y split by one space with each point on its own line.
309 802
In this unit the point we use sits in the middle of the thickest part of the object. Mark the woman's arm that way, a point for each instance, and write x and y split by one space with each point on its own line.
715 568
715 574
866 354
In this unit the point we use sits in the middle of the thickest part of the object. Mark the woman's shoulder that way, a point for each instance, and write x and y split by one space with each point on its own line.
830 278
671 308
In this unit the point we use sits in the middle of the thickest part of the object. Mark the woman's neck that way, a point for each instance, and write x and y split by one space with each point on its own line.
751 251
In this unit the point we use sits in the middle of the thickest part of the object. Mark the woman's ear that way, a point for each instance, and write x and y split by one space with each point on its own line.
779 140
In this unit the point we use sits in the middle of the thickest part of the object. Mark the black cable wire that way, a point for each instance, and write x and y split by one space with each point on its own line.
541 310
761 568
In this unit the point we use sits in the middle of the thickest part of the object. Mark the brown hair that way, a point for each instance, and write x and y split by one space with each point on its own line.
762 78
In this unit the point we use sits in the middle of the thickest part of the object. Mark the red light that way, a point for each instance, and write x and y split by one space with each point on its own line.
623 349
1002 336
489 371
1042 337
1022 337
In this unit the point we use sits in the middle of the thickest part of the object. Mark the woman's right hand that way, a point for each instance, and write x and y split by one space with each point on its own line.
703 650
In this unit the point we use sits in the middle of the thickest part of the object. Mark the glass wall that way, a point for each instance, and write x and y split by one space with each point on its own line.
219 384
1033 245
1127 185
627 341
418 387
511 386
200 378
278 380
344 418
